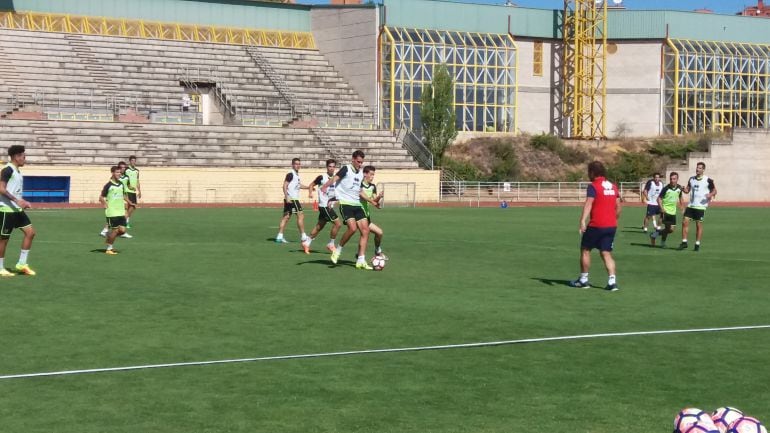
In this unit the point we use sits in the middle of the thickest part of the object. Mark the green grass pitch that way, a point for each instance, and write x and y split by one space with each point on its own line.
209 284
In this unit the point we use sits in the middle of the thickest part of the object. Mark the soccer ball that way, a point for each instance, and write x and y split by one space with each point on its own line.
747 424
701 428
689 416
724 416
378 263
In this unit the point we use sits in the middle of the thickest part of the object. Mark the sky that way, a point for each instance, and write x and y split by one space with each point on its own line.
718 6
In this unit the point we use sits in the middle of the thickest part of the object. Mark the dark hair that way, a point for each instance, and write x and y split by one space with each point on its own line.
114 168
702 164
656 174
369 168
293 160
331 161
122 163
131 157
16 149
673 173
358 154
596 169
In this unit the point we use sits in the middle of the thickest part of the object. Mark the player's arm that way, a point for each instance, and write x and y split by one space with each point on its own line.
311 186
589 204
712 190
645 197
366 198
138 187
618 207
103 195
686 188
5 176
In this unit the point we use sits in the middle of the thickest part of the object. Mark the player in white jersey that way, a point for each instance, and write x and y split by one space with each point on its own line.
291 204
347 183
702 190
12 205
325 208
650 194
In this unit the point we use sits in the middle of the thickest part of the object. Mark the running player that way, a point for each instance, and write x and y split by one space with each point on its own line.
114 199
669 200
702 190
124 179
650 195
326 212
603 205
369 197
348 191
12 205
133 189
291 205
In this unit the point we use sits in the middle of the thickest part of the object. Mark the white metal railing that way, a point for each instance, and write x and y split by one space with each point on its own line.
480 192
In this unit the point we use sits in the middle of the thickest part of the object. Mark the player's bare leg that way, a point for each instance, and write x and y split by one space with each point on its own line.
609 263
685 231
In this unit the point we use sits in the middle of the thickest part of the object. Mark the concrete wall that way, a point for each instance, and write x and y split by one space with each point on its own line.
347 37
740 169
634 88
536 96
219 185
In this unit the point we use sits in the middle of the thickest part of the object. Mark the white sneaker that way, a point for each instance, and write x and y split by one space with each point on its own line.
126 235
103 233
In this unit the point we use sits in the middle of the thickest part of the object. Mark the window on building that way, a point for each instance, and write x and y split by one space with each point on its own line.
537 59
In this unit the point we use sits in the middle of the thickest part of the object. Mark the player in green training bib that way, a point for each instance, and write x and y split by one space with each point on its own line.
114 200
133 188
369 198
669 200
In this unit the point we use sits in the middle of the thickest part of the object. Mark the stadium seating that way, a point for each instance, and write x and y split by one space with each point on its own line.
98 143
66 70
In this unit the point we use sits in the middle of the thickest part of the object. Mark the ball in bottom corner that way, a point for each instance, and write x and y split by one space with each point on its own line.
747 424
724 416
378 263
689 416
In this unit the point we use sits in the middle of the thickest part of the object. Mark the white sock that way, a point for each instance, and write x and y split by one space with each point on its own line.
378 250
361 259
128 220
308 240
331 242
697 242
583 277
23 257
279 236
611 280
304 237
2 263
109 247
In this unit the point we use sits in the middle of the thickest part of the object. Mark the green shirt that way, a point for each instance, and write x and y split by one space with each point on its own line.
113 194
369 190
669 196
132 173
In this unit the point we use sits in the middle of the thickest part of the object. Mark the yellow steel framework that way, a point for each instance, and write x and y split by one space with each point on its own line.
713 86
585 66
483 67
102 26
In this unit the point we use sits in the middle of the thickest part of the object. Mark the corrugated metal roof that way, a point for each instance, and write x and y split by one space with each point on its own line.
545 23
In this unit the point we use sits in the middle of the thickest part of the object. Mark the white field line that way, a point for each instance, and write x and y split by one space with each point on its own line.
374 351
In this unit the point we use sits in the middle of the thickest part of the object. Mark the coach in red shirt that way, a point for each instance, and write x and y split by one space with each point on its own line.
603 205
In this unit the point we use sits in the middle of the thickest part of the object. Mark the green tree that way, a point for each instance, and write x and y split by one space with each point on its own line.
438 113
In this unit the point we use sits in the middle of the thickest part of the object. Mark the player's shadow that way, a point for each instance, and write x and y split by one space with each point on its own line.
638 244
99 250
328 263
552 282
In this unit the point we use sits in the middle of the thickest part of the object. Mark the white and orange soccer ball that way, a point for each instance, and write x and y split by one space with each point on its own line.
724 416
378 263
691 415
747 424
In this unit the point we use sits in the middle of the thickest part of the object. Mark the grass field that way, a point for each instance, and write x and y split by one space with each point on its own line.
203 284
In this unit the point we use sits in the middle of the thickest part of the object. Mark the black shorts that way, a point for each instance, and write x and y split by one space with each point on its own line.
292 207
695 214
326 215
653 209
352 212
131 197
599 238
115 222
669 219
13 220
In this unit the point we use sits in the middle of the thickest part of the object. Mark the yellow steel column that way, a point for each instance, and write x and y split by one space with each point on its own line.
675 114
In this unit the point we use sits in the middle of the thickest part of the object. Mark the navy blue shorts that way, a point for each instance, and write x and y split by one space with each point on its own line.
599 238
653 209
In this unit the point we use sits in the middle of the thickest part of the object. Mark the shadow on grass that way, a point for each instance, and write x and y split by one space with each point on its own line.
102 250
328 263
552 282
647 245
